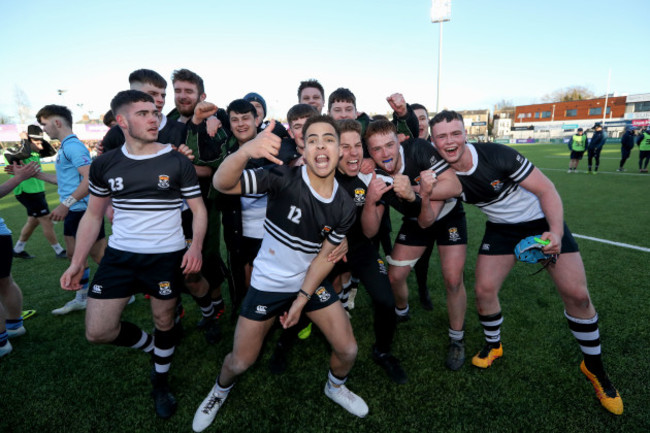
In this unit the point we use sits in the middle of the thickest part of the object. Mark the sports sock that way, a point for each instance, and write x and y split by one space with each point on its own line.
12 324
132 336
82 294
492 327
163 351
588 336
20 245
402 312
205 303
334 382
57 248
4 337
456 335
223 389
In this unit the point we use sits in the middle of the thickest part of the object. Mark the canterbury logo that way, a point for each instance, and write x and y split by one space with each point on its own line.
261 309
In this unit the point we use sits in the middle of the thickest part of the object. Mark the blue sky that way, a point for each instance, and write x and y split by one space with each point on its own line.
492 50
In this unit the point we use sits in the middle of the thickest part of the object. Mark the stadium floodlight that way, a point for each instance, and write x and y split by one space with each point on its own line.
440 12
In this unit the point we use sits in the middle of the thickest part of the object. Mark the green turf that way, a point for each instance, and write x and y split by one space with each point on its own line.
55 381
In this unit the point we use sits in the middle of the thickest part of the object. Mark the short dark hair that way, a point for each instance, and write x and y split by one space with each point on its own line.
341 95
126 97
446 116
379 117
55 110
311 83
419 107
108 118
321 118
147 76
190 77
241 106
380 126
349 125
299 111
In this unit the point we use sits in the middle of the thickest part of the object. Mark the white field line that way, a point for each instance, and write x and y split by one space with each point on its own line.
583 171
616 244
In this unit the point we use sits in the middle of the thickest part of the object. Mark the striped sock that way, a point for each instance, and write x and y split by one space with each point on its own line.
163 351
333 381
492 328
588 336
4 337
12 324
205 304
132 336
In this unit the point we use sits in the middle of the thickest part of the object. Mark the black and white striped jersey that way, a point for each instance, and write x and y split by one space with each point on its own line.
147 193
418 155
298 220
492 184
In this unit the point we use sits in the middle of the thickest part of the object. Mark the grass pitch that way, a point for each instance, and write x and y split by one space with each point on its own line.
55 381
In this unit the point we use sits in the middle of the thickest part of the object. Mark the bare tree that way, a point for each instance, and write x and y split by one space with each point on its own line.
23 107
571 93
4 119
503 104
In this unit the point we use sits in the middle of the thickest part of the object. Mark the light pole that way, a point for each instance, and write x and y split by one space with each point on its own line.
440 12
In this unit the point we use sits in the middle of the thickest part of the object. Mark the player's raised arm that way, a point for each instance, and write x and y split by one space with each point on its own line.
265 145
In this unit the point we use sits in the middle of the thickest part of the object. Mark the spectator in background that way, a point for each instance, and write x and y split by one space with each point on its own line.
644 149
595 146
31 194
109 119
577 146
627 144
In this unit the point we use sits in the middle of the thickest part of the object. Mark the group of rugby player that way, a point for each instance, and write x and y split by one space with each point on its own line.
294 202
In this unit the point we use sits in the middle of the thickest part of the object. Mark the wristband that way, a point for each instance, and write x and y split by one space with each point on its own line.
68 202
305 294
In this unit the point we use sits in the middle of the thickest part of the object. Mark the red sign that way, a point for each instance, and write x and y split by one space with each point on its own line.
641 122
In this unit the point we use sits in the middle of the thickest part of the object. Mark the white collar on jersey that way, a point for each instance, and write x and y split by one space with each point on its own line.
126 153
305 178
471 171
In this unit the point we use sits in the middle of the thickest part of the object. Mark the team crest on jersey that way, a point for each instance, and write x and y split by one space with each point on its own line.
164 288
163 181
323 294
433 160
497 185
359 196
453 234
382 266
326 230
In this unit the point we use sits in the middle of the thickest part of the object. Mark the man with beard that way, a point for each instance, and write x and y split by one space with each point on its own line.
147 250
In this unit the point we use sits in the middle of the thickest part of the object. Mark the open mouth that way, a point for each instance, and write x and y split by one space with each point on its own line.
389 164
451 151
322 161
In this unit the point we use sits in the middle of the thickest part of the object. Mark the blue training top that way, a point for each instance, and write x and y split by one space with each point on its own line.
72 155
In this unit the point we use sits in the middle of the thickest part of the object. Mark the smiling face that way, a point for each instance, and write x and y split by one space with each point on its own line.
384 150
322 150
140 121
186 96
295 131
449 139
243 126
351 153
313 97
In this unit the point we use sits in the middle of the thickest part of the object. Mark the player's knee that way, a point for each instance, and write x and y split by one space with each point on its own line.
99 336
347 352
454 284
485 291
398 274
238 364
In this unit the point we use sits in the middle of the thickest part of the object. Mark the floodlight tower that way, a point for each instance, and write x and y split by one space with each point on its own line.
440 12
